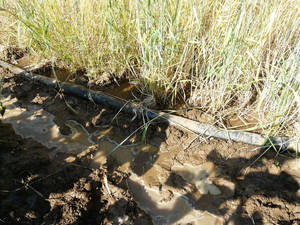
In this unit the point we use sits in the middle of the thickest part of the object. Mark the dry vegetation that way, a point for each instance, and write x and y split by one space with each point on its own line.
226 57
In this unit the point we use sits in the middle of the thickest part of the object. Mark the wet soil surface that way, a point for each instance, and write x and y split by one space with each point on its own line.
38 190
173 177
38 186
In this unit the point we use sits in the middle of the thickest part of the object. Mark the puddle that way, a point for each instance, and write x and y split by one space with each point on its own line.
123 91
123 155
167 204
55 73
78 140
168 207
200 176
36 123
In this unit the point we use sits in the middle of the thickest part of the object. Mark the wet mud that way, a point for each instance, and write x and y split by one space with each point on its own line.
60 165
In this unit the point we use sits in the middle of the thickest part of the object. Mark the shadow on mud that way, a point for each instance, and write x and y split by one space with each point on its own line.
282 186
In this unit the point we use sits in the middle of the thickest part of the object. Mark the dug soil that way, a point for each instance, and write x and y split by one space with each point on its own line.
160 175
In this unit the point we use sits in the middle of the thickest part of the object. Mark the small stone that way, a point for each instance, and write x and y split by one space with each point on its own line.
88 186
70 159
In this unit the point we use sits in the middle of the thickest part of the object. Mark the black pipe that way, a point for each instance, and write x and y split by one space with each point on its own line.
193 126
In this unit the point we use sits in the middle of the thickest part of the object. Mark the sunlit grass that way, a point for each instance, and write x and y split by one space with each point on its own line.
225 57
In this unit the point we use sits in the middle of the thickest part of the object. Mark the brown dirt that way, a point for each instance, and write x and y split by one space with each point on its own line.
35 188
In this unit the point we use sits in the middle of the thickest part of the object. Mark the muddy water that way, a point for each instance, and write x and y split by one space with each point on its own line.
166 204
36 123
199 176
168 207
126 91
150 166
123 90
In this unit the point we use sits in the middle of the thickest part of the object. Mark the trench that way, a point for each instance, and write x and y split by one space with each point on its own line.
199 128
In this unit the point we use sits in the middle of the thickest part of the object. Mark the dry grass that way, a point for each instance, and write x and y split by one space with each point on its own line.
226 57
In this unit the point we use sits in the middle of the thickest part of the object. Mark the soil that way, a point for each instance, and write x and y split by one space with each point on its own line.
37 187
175 178
38 190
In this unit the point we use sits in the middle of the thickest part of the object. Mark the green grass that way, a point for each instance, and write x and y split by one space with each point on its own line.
226 57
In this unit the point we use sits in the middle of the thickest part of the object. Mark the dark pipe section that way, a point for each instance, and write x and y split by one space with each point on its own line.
96 96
